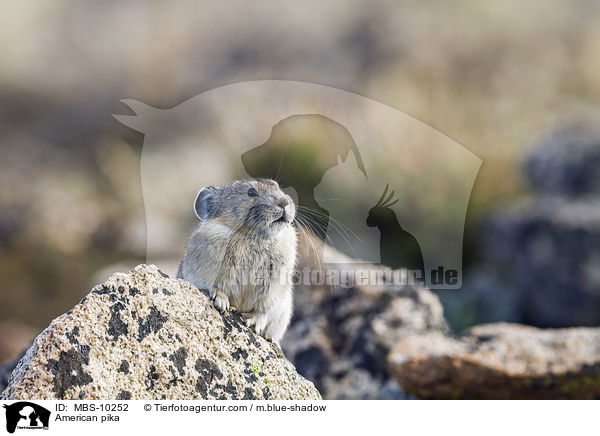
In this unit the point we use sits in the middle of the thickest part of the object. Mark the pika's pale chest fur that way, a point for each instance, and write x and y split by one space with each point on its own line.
244 250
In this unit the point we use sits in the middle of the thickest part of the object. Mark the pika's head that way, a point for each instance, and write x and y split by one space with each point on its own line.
252 206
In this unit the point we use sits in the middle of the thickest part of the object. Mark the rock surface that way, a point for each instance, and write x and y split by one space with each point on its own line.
340 338
501 361
143 335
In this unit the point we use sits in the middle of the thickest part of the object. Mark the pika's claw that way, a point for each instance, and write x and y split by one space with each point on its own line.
221 301
258 323
249 319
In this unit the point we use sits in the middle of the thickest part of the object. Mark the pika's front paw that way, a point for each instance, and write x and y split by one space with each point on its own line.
258 322
221 301
249 319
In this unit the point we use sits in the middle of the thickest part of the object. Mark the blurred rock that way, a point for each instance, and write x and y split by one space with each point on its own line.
7 368
14 337
566 162
340 338
142 335
501 361
483 298
549 251
541 255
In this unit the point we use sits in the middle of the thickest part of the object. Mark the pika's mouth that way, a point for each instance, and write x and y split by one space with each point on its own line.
281 219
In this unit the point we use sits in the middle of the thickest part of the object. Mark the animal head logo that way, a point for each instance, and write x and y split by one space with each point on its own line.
296 137
25 414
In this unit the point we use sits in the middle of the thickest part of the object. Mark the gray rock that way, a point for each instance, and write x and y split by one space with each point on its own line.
566 162
143 335
340 338
548 252
501 361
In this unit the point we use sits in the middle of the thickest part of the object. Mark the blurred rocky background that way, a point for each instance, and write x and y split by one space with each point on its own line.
539 258
517 86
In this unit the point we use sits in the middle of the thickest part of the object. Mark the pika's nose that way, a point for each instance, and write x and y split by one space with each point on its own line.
286 208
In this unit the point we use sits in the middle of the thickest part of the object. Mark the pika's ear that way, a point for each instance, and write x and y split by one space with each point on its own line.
205 205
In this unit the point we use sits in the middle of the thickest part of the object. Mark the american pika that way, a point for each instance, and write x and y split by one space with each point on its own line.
244 251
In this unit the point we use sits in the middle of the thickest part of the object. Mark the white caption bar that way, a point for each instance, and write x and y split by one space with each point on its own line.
301 417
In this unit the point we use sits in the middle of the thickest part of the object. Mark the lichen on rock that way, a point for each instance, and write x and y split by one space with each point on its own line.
143 335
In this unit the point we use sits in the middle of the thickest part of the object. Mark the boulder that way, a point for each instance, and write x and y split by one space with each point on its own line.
340 337
143 335
501 361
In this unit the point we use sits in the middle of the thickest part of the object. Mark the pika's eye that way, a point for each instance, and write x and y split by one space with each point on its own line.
252 192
